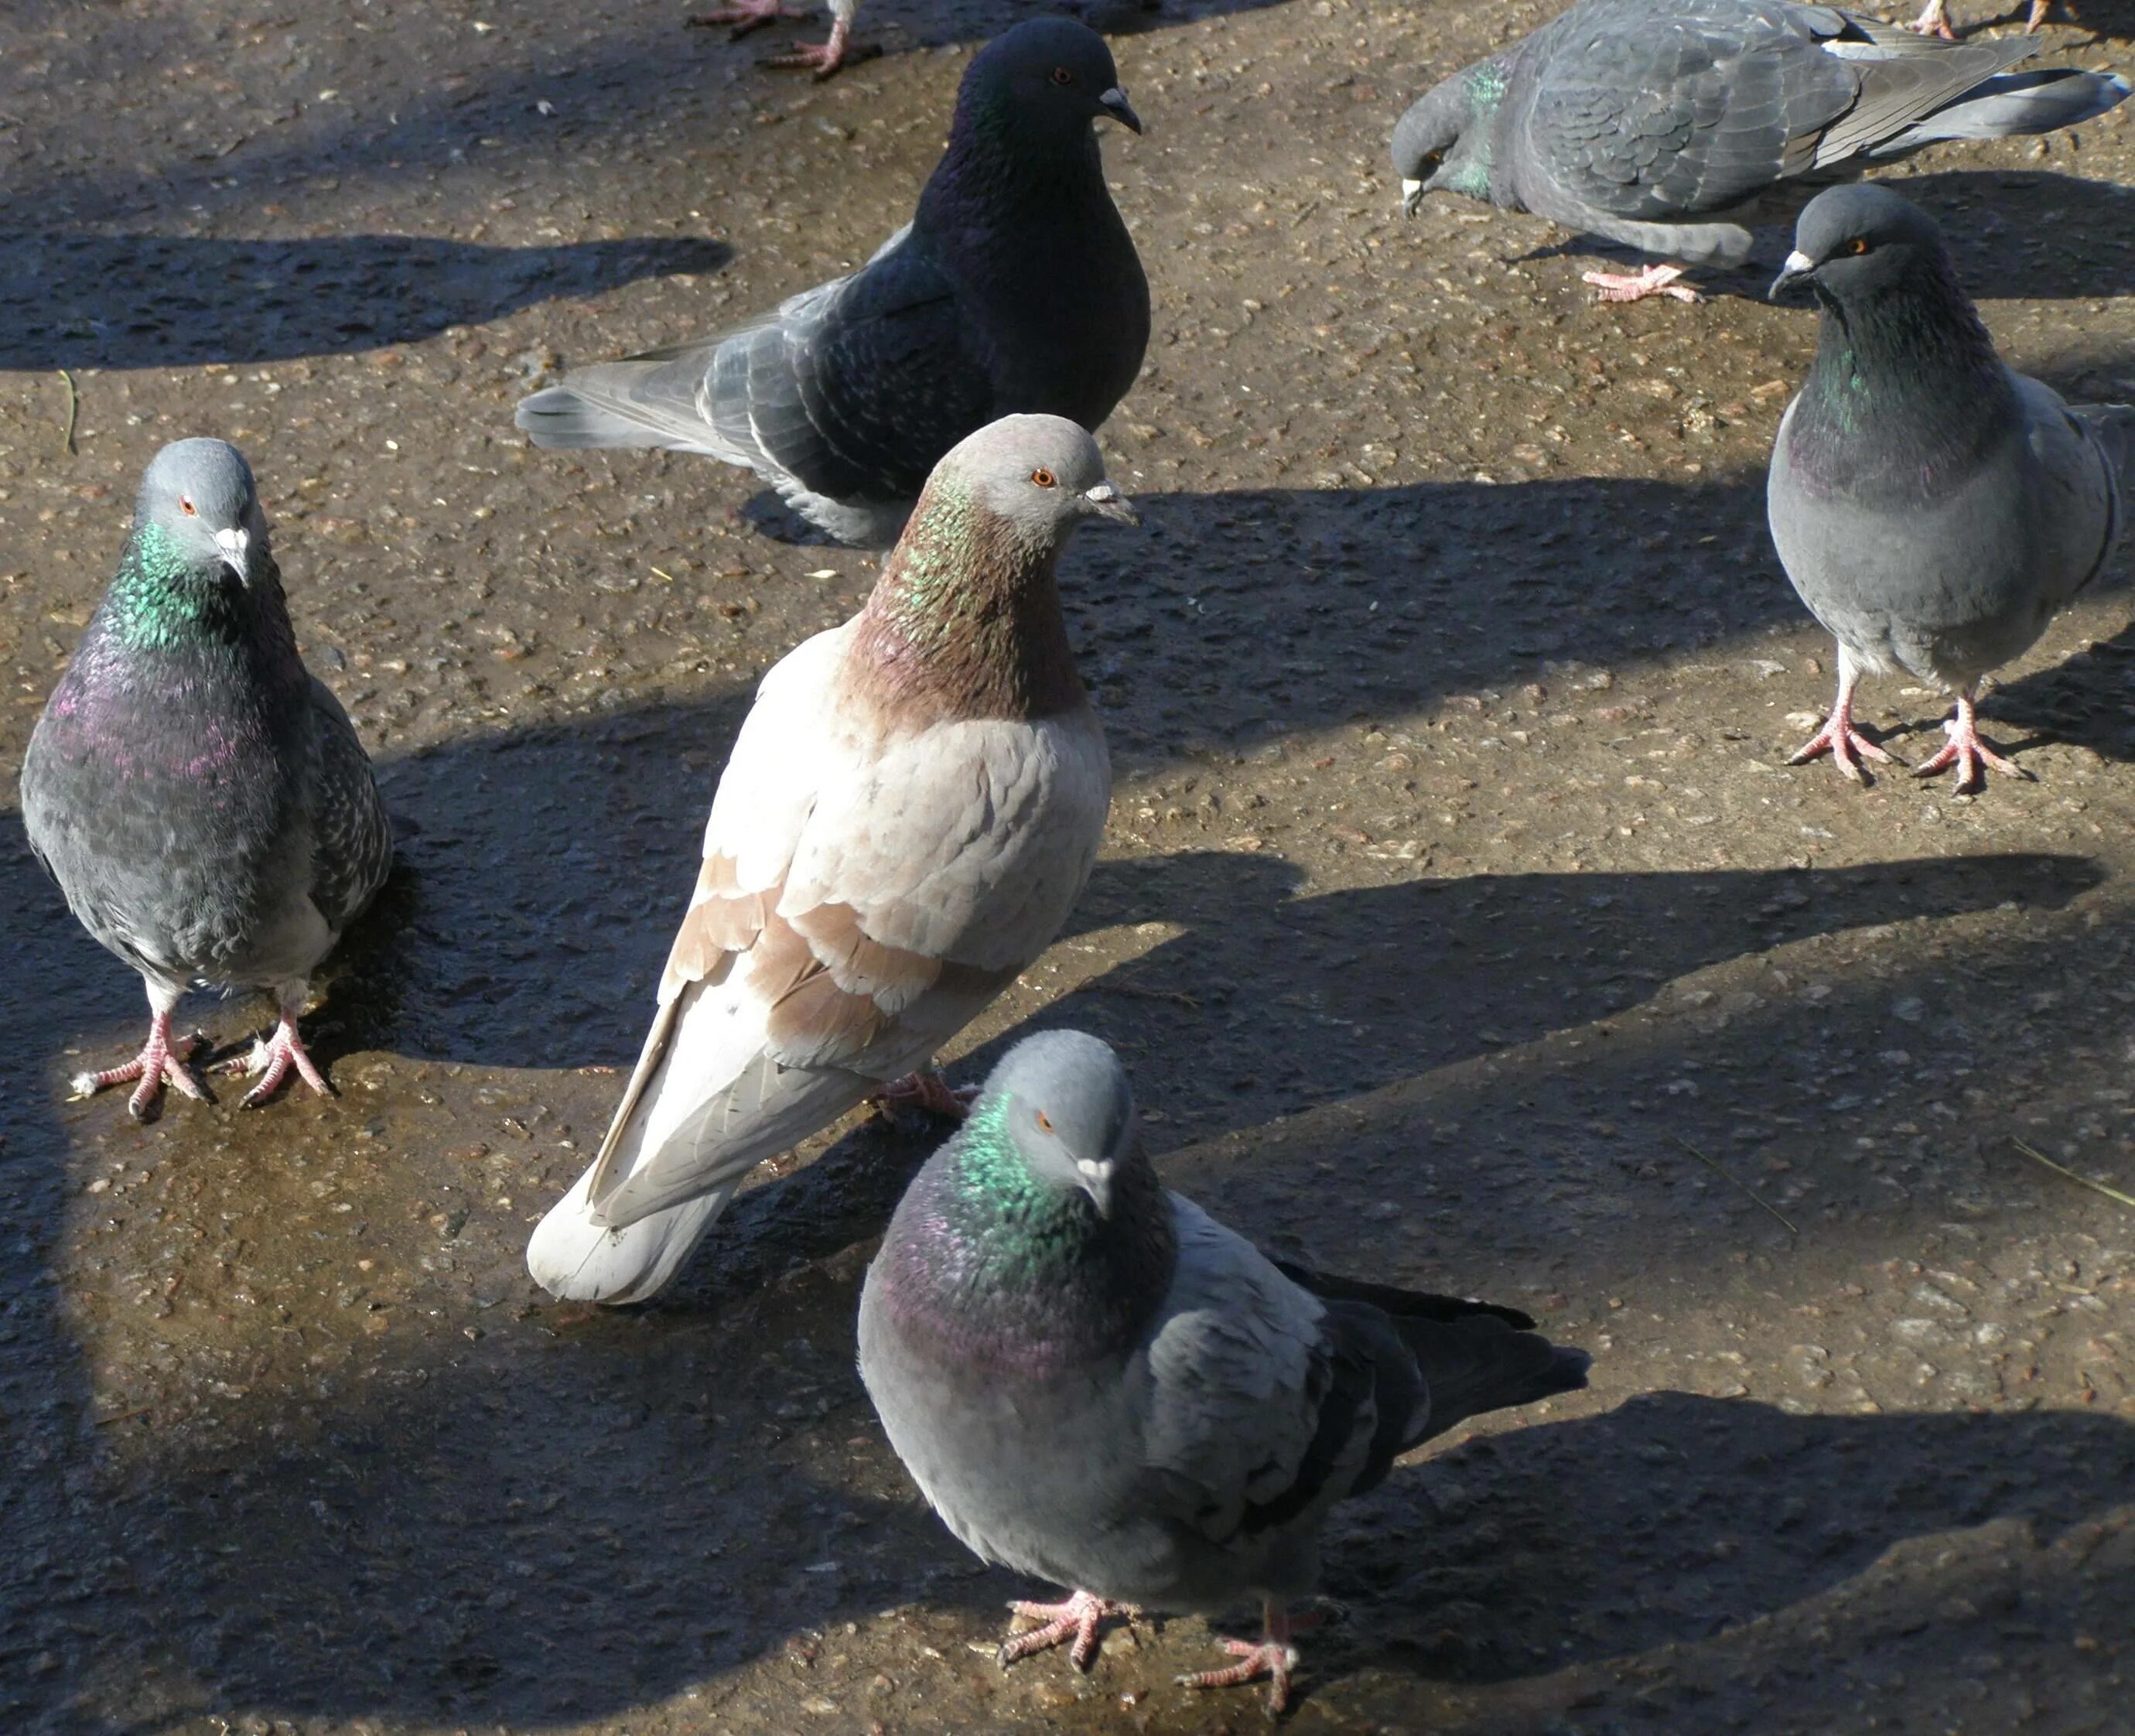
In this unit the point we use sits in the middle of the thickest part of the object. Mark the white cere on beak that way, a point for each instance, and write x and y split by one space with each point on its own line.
1412 189
1091 1166
1104 491
1797 261
233 544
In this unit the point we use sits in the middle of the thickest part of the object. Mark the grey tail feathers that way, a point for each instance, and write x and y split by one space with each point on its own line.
1480 1364
2016 102
651 399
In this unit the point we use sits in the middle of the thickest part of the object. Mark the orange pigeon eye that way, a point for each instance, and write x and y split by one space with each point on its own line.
1859 243
185 501
1044 1122
1062 76
1044 478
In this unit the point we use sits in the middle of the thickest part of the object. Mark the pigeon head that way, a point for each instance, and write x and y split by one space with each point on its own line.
1045 80
200 495
1037 476
1852 242
1443 142
1062 1100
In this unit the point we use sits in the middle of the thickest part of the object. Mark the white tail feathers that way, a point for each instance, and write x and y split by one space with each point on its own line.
574 1257
705 1106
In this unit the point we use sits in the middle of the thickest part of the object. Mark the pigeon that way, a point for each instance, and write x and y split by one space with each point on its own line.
1667 125
1014 289
1095 1383
199 796
823 59
1933 507
911 810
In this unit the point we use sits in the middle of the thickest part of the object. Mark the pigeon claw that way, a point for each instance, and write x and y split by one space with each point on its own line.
1934 22
824 59
1635 286
1839 739
160 1063
1274 1659
1081 1616
745 16
927 1092
1971 755
272 1061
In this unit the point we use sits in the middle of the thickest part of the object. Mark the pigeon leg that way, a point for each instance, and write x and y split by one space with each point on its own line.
1933 22
1635 286
1968 753
1838 738
161 1062
1081 1615
821 58
928 1091
1271 1655
746 16
273 1059
2038 17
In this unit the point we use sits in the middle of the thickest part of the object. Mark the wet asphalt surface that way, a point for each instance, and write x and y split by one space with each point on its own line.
1459 917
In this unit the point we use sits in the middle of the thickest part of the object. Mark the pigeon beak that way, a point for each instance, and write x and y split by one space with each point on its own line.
1114 104
1097 1183
236 546
1106 502
1798 267
1412 196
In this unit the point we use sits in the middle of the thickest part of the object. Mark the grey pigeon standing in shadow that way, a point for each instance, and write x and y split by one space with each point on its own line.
1934 508
1095 1383
1014 289
201 798
911 810
1668 125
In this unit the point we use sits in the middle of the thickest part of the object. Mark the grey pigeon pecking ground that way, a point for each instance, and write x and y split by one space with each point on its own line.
1015 288
910 812
1668 125
1932 507
1095 1383
201 798
822 59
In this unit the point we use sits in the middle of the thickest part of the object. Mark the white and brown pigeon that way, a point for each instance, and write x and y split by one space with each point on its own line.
910 812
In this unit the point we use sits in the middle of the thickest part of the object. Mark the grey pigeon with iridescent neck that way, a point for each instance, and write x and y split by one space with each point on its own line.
1014 288
1668 125
202 800
909 813
1934 508
1095 1383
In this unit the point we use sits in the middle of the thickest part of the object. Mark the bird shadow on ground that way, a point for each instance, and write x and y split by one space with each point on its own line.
666 1495
136 301
1997 221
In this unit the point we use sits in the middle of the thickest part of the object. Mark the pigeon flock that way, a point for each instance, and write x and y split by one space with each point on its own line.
1091 1380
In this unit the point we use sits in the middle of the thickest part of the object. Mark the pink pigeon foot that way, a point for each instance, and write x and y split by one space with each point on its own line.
272 1060
1635 286
1968 754
928 1091
1080 1616
1933 22
746 16
823 58
1839 739
160 1062
2037 17
1271 1655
